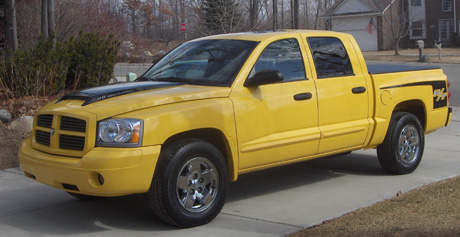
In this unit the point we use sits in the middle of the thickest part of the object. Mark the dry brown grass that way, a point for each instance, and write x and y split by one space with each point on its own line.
449 55
432 210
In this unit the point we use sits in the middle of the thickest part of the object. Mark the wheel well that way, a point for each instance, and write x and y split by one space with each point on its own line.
211 135
415 107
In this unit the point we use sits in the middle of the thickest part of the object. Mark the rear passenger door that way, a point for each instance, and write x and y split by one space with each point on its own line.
343 95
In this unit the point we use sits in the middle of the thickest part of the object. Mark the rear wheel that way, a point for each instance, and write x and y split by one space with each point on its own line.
402 149
190 184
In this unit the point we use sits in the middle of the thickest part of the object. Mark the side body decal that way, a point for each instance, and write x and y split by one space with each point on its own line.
439 91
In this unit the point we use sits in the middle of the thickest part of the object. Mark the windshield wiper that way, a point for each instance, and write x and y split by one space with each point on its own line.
141 78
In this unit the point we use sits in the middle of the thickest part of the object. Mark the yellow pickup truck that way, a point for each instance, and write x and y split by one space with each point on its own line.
221 106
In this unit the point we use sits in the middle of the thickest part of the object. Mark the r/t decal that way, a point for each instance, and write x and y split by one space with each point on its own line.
440 94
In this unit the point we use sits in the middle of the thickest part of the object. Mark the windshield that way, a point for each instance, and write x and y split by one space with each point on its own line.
204 62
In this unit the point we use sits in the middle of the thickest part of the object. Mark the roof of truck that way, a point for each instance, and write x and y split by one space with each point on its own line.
264 35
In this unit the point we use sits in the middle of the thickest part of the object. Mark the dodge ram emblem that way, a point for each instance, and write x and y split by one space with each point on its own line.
52 132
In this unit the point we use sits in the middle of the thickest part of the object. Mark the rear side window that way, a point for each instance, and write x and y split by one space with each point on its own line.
330 57
284 56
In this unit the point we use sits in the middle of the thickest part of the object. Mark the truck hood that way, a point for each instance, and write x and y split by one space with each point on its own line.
115 99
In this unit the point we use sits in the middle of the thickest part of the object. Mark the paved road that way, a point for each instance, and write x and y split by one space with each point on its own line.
453 74
121 69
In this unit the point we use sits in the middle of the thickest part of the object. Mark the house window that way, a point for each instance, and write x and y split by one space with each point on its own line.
416 3
417 29
446 5
446 28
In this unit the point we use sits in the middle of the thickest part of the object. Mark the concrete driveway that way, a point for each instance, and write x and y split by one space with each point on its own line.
273 202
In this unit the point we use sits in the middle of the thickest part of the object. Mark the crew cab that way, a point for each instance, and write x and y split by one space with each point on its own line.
221 106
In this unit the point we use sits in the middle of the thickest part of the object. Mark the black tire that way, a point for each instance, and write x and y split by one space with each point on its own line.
83 197
402 149
190 183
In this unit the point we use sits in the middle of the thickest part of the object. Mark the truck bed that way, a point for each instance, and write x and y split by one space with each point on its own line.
379 68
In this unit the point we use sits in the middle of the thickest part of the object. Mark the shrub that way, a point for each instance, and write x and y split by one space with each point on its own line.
92 61
84 61
37 71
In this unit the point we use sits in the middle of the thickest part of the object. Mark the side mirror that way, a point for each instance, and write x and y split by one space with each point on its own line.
264 77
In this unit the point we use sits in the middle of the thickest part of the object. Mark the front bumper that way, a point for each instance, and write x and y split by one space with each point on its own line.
101 172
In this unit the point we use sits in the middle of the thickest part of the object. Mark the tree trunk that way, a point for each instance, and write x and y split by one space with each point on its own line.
306 14
11 34
396 46
296 14
45 19
282 14
275 15
51 25
253 10
318 11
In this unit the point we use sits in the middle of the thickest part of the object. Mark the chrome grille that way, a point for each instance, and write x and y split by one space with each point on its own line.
45 120
43 137
71 142
73 124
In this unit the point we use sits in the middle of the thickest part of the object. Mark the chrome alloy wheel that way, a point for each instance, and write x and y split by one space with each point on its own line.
197 184
409 145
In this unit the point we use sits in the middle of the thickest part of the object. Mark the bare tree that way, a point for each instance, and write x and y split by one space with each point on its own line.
253 12
223 16
11 34
295 14
51 25
44 22
397 20
318 14
275 15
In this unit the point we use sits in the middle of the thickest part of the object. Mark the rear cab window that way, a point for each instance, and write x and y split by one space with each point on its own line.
330 57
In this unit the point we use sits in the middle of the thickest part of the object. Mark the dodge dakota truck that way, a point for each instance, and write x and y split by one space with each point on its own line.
221 106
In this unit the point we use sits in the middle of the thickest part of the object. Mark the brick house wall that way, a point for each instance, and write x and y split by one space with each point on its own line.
438 21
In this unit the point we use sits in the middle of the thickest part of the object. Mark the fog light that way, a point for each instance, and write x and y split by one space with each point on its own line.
100 178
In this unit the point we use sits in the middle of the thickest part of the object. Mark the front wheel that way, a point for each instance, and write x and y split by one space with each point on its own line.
190 184
402 149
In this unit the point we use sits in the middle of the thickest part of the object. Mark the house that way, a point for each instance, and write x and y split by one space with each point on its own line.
428 20
442 21
364 20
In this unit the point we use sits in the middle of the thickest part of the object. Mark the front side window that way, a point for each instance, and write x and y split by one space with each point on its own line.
202 62
330 57
284 56
446 5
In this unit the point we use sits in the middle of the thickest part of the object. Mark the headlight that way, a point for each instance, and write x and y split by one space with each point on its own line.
119 132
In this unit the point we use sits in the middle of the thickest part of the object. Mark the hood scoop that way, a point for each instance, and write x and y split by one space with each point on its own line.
95 94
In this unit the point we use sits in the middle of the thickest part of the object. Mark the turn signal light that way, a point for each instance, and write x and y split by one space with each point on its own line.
448 90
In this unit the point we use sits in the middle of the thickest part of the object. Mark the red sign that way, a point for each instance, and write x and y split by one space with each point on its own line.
183 27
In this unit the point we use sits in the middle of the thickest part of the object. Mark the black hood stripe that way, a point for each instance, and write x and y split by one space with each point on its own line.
95 94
